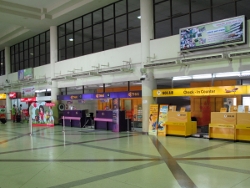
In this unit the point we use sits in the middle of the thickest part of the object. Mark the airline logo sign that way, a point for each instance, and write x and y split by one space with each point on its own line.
202 91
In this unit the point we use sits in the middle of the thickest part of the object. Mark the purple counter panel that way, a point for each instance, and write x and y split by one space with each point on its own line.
75 118
104 120
67 113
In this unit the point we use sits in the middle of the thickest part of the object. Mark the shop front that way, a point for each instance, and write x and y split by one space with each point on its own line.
220 108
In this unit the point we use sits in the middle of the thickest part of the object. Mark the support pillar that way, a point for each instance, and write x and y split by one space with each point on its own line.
7 72
53 60
147 33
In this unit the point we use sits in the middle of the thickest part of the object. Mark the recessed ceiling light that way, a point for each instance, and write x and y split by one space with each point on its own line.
139 17
71 39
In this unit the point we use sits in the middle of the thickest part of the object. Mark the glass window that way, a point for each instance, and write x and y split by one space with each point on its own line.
180 7
120 8
31 62
37 51
16 48
31 53
70 52
61 30
78 24
21 46
201 17
42 38
157 1
87 48
42 60
98 45
242 8
180 22
108 27
87 20
47 47
121 39
109 42
225 11
97 31
87 34
97 16
220 2
47 36
37 61
21 65
69 40
26 64
26 45
134 36
42 49
78 50
121 23
61 42
200 5
31 43
26 54
133 5
78 37
48 58
21 56
163 29
36 40
162 11
133 20
108 12
69 27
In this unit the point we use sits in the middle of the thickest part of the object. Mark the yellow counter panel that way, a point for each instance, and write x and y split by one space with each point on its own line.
222 131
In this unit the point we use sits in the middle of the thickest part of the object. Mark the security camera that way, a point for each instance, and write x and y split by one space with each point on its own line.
143 77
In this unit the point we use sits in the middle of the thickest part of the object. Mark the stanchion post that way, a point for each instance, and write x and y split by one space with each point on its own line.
127 125
31 128
63 124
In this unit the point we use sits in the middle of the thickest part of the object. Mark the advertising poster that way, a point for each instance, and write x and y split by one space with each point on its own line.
116 106
28 92
2 112
153 116
25 74
42 114
222 32
163 118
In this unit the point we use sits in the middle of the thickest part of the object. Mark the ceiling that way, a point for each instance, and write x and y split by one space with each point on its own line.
22 19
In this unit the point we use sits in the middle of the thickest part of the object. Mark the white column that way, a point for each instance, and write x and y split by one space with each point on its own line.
7 72
53 60
147 33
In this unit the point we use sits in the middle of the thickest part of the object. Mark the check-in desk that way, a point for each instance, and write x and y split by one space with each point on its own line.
222 125
104 119
179 123
242 129
74 118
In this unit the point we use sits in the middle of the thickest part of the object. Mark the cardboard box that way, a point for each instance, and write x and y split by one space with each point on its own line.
243 118
183 109
223 109
223 118
179 116
233 109
246 108
172 108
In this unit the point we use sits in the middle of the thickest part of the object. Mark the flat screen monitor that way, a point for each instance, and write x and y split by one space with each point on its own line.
214 34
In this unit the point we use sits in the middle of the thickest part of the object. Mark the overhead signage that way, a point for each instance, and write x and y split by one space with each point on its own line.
91 96
2 96
69 97
12 95
31 99
28 92
219 33
25 74
202 91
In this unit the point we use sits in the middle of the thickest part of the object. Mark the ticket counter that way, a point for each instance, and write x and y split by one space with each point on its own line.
223 125
179 123
242 129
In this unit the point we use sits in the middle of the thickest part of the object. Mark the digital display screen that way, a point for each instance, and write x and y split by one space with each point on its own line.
219 33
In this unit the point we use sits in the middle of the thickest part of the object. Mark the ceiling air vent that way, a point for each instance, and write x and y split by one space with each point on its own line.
160 65
239 54
203 58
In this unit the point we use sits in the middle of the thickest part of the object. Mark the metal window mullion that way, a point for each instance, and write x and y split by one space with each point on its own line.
92 31
102 30
82 37
114 18
235 8
211 6
190 15
73 33
171 18
127 21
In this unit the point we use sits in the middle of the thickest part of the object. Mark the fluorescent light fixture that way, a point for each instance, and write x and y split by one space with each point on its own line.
202 76
106 85
85 74
139 17
182 78
114 71
60 78
48 89
245 73
227 74
71 39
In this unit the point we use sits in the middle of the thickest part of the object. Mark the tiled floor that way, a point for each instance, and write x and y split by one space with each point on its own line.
93 159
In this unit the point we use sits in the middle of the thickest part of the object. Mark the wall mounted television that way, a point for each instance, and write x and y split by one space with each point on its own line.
213 34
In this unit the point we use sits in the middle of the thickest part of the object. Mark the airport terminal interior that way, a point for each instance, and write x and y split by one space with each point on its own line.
125 93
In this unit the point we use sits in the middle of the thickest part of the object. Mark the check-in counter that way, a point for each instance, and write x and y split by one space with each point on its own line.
242 129
179 123
222 125
104 119
74 118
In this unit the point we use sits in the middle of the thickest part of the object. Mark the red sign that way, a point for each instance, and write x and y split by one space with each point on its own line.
12 95
49 104
32 99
